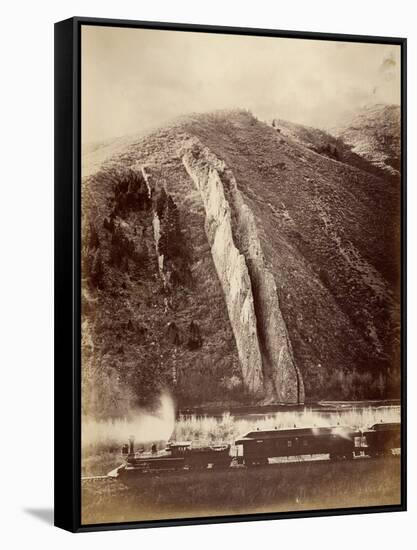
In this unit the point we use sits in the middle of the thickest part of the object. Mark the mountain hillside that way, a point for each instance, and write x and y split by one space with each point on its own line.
234 263
327 145
375 134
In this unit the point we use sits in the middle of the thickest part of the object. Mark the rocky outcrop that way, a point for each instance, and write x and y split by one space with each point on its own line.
232 270
259 329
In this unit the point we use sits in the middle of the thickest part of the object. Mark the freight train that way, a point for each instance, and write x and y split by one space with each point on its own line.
256 448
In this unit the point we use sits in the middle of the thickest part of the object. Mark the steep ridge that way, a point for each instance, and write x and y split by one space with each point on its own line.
250 290
231 268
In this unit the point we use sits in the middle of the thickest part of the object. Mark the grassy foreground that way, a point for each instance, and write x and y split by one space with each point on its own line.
275 488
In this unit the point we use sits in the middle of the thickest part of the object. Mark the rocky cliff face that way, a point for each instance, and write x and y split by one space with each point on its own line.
259 329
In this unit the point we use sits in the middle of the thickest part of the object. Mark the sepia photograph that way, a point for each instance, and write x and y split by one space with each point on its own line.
241 274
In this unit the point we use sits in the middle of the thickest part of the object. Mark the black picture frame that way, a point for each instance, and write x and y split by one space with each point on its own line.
67 270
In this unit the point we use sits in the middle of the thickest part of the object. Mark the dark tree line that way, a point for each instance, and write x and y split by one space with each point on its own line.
130 194
93 266
191 336
171 242
330 151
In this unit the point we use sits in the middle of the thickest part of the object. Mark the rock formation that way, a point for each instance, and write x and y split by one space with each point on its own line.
259 329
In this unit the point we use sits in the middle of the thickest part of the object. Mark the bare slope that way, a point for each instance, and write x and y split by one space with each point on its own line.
327 232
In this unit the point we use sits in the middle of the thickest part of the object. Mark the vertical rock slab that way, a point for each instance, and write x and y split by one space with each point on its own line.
231 269
251 296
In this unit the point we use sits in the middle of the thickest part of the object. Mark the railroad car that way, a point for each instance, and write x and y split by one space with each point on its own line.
381 439
260 445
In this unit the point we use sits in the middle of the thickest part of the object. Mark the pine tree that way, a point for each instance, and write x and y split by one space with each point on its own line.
93 238
97 270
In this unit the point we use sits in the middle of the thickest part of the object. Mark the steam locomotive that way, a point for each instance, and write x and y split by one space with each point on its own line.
256 448
177 456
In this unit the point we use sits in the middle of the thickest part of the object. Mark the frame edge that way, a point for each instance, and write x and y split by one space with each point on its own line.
67 474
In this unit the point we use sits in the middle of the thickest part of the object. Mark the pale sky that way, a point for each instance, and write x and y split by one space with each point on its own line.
136 79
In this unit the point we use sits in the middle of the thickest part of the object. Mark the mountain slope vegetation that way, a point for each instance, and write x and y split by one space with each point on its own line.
154 309
374 133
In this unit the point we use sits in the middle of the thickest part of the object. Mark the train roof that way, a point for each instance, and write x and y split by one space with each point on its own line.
293 432
381 427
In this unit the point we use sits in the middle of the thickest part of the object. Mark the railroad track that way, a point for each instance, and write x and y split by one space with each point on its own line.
283 465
